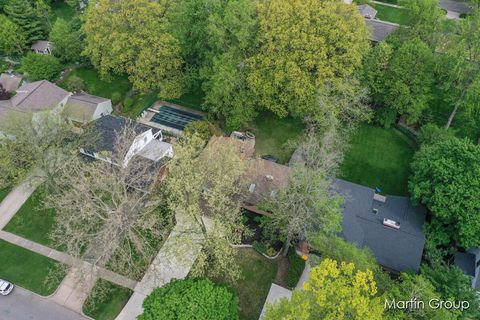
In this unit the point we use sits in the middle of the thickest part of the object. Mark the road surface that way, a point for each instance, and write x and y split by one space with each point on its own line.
24 305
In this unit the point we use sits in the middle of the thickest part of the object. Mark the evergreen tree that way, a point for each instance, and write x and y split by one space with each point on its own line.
24 13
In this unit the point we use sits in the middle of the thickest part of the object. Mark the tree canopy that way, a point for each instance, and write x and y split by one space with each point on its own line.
68 40
33 17
12 37
133 37
333 291
301 45
190 299
446 178
41 66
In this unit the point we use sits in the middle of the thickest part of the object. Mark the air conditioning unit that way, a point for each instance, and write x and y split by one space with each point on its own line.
391 223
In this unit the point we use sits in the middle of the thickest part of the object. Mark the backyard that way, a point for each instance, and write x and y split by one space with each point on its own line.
391 14
32 221
379 157
27 269
273 135
252 290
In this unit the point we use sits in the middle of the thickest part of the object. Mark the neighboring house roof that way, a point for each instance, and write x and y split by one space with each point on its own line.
367 11
466 262
42 46
109 127
455 6
81 107
396 249
265 178
10 82
37 96
380 30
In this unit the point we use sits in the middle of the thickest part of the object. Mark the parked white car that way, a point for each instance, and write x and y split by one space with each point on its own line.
5 287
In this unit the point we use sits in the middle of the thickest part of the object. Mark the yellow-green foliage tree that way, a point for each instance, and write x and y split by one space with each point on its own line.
302 44
333 292
132 37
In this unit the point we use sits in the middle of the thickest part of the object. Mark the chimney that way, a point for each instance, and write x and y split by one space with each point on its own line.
391 223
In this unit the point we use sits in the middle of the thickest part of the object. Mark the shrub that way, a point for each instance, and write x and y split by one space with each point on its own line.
430 133
295 268
75 84
40 66
260 247
202 128
116 97
385 117
188 299
127 103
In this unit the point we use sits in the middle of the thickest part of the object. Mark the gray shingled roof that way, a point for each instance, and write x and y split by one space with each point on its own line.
367 11
380 30
455 6
81 107
466 262
37 96
399 250
10 82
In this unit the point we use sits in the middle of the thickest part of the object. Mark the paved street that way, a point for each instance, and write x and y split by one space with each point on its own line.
23 305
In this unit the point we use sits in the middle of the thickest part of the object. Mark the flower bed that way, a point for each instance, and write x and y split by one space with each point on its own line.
258 237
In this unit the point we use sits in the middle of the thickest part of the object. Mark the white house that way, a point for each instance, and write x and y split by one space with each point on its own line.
42 47
83 108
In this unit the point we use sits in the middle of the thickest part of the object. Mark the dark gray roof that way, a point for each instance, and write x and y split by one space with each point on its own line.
455 6
466 262
399 250
380 30
367 11
107 129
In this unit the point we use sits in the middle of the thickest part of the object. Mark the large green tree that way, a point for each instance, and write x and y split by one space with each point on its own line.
68 40
424 20
32 16
408 80
133 37
12 37
191 299
301 45
41 66
446 178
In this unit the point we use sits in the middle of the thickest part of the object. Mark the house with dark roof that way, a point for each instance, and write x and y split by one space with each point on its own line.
379 30
83 108
147 144
469 263
10 82
390 226
367 11
455 8
42 47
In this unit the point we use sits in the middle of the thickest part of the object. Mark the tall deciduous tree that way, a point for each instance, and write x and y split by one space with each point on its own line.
459 66
12 37
301 45
333 291
68 41
409 79
133 37
208 188
446 179
32 17
424 20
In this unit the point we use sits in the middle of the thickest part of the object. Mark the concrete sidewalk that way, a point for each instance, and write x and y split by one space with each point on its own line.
15 199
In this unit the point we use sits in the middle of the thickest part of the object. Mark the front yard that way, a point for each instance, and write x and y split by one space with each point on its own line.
379 157
27 269
106 300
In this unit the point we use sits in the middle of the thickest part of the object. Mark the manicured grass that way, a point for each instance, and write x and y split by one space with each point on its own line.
32 221
139 103
63 10
3 193
27 269
272 135
103 88
106 300
379 157
258 275
391 14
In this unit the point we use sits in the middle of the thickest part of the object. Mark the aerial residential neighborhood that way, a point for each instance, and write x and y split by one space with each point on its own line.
239 159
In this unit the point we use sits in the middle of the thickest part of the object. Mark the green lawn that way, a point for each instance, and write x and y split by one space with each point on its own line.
391 14
27 269
63 10
103 88
106 300
3 193
258 275
33 222
193 100
139 103
272 135
379 157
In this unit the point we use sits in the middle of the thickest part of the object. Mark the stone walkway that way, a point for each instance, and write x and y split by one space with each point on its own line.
275 293
174 260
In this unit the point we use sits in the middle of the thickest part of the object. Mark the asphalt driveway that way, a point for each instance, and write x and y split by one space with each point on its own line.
24 305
